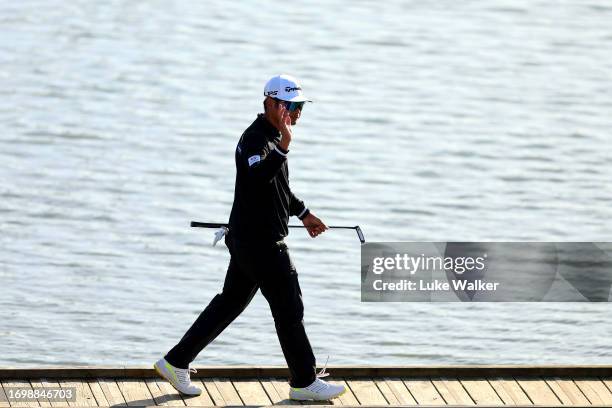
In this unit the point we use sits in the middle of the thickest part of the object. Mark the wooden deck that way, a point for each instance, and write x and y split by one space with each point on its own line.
367 386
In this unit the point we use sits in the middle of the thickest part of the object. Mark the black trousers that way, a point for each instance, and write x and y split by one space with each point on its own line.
251 267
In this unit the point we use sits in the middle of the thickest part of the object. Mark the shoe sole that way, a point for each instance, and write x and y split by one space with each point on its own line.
161 374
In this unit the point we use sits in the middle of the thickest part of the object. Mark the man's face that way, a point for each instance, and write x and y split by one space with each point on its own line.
272 104
295 114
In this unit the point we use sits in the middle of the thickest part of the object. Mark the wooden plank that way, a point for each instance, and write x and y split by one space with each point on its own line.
3 398
481 392
509 391
452 391
353 371
22 384
567 391
84 395
135 392
158 396
213 392
274 396
61 384
386 391
282 389
348 398
251 392
98 394
538 391
162 395
399 391
595 390
366 392
111 391
608 383
45 402
424 391
277 396
199 400
227 391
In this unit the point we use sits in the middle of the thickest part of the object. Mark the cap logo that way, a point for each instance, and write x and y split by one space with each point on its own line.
291 89
271 93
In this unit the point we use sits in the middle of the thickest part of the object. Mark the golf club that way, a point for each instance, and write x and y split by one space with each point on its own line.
360 235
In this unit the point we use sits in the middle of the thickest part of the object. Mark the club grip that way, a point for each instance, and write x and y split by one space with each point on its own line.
207 224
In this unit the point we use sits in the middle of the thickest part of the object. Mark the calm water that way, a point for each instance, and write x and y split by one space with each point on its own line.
432 121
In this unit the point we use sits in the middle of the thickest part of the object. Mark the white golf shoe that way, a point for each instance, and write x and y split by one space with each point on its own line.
178 377
319 390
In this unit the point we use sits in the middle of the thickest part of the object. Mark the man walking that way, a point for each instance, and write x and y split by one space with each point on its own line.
263 203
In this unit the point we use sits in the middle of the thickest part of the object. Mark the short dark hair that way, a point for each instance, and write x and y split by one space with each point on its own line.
276 101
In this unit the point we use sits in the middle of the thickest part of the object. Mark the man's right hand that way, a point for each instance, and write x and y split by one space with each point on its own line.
314 225
284 126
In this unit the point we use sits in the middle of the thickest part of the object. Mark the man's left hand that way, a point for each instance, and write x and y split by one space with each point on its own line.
314 225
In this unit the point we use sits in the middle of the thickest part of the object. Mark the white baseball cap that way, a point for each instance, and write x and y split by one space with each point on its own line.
286 88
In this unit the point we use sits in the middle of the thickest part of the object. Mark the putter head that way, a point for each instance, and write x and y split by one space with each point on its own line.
360 234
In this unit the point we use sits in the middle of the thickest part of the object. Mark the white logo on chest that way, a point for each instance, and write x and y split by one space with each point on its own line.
254 159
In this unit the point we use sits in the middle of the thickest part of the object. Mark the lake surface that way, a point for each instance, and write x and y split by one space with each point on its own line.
432 121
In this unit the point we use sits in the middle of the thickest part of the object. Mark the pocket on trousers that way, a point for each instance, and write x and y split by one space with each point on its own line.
283 264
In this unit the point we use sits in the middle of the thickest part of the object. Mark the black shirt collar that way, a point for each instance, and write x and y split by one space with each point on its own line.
268 128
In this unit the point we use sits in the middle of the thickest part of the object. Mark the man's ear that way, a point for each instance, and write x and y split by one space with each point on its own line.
269 103
266 103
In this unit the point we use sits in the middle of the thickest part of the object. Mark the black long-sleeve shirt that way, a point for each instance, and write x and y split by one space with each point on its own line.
263 201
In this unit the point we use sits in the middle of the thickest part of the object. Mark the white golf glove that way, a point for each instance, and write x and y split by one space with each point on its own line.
220 233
